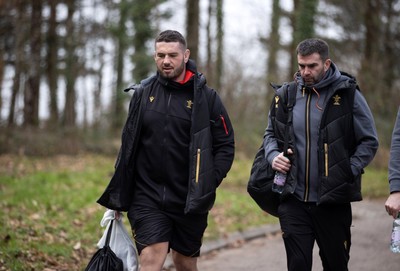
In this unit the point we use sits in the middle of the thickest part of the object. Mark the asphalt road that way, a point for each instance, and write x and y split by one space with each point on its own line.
265 251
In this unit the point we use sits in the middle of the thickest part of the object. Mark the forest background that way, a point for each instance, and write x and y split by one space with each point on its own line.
64 65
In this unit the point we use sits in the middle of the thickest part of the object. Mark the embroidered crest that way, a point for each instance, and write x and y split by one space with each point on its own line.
276 101
336 99
151 98
189 104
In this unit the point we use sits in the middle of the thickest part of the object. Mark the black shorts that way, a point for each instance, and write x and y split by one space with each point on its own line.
184 233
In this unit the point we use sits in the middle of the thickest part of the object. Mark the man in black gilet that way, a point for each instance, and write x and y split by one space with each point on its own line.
332 139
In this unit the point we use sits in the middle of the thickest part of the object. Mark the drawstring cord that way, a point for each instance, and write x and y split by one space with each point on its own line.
316 103
318 96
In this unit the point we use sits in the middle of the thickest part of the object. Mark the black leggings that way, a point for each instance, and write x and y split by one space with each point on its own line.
304 223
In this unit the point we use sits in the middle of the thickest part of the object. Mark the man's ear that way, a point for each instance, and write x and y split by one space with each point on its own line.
186 55
327 64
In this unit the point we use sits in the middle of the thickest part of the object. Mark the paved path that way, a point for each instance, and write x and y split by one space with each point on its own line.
369 252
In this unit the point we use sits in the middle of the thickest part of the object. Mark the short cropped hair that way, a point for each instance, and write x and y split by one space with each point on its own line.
171 36
313 45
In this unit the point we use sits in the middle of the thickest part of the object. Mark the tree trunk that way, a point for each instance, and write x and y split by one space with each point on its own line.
31 97
118 106
51 69
192 28
209 60
371 72
2 64
303 25
70 69
4 10
219 65
19 30
97 92
142 23
389 49
273 45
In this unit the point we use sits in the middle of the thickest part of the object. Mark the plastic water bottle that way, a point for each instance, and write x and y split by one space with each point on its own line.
279 182
395 241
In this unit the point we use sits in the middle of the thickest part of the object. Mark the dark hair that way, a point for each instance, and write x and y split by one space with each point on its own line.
311 46
171 36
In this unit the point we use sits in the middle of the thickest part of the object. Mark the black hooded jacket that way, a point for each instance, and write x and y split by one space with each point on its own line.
179 160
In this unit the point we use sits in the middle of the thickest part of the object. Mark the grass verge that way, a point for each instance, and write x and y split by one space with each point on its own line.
49 219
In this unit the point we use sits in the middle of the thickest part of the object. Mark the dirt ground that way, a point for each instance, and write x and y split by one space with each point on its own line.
265 250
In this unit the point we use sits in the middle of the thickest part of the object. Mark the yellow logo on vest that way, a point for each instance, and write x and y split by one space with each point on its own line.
336 99
189 104
151 98
276 101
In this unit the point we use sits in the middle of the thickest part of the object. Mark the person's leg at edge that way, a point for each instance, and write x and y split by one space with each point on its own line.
184 263
152 257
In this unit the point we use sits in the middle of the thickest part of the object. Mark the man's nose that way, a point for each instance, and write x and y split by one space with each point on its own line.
167 59
307 70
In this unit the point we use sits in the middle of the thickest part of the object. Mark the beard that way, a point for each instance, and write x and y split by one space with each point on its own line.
171 73
309 81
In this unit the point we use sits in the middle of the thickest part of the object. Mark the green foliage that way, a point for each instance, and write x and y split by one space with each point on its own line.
375 183
49 216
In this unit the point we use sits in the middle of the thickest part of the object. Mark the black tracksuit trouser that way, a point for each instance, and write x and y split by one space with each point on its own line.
304 223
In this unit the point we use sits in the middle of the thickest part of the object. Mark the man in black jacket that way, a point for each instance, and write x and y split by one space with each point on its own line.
331 140
177 146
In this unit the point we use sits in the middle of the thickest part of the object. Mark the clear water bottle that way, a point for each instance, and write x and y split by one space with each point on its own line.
279 182
395 241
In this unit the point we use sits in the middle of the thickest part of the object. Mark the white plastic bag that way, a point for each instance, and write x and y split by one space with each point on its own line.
120 241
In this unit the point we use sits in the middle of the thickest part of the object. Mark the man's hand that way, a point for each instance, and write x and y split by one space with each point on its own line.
117 215
281 163
392 204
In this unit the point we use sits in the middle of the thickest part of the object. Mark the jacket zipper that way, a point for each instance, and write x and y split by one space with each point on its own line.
326 158
307 184
198 165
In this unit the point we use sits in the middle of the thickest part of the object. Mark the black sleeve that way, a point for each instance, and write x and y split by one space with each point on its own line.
223 139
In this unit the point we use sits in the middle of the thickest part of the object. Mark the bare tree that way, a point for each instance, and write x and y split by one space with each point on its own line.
208 70
144 32
51 60
219 65
31 95
69 118
121 47
19 27
98 90
303 26
273 45
192 27
4 9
